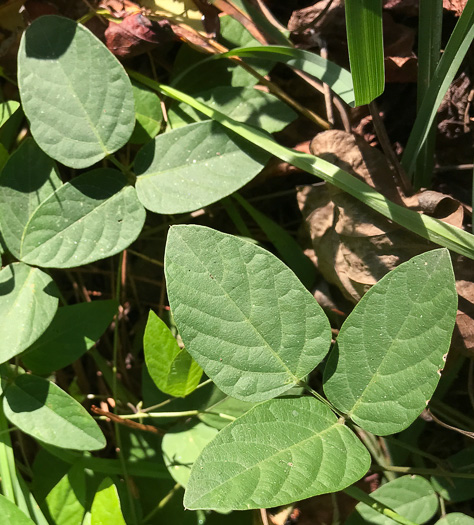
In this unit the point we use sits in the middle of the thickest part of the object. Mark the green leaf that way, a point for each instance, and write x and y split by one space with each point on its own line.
234 305
106 505
390 350
21 196
336 77
457 489
66 501
94 216
172 369
248 105
75 93
11 514
28 302
410 496
181 447
148 114
365 42
279 452
7 109
44 411
455 518
72 332
194 166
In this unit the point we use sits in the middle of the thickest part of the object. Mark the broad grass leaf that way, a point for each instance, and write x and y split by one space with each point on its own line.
21 196
28 302
42 410
148 114
181 447
249 105
455 518
106 505
94 216
73 331
385 366
11 514
243 315
194 166
75 93
410 496
280 451
172 369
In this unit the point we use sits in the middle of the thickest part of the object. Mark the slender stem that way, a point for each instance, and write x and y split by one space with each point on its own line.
319 397
360 495
5 459
370 441
126 171
424 471
118 438
412 449
162 503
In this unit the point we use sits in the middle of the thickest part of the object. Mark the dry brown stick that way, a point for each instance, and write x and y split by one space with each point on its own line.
127 422
230 9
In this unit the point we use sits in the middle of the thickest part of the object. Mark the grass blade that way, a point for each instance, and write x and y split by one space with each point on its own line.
365 41
432 229
457 47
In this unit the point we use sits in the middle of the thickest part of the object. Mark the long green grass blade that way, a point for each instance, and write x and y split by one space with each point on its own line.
365 41
436 231
456 48
429 45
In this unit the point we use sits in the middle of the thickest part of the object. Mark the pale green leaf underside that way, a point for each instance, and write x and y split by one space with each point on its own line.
73 331
280 451
336 77
389 350
106 505
74 92
21 196
28 302
410 496
94 216
182 446
249 105
242 314
171 368
194 166
148 114
11 514
42 410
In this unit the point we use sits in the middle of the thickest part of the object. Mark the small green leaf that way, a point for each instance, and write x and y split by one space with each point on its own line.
455 518
172 369
243 315
28 302
73 331
194 166
66 501
249 105
181 447
365 41
385 366
7 109
410 496
75 93
280 451
148 114
94 216
44 411
21 196
11 514
106 505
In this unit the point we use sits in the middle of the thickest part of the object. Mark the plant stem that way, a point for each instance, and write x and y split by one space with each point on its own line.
6 459
319 397
360 495
424 471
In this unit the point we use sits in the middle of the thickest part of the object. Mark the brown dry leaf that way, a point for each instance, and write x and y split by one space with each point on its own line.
136 34
354 247
456 6
464 335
